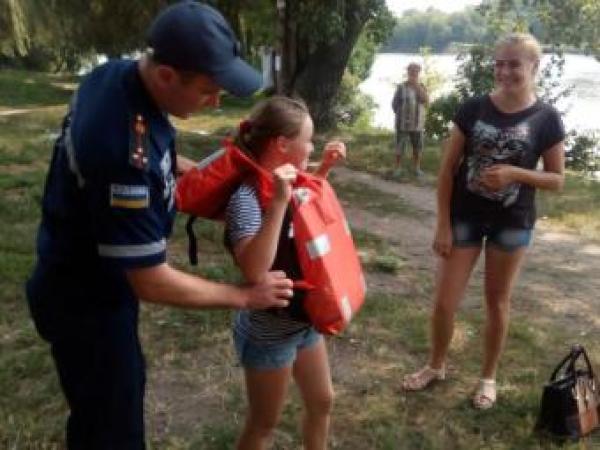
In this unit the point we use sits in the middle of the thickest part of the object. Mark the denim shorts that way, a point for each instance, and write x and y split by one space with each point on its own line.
259 355
473 233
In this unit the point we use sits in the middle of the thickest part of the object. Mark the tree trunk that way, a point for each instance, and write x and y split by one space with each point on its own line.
17 23
315 72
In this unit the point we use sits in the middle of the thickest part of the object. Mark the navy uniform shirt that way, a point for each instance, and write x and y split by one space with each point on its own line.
108 202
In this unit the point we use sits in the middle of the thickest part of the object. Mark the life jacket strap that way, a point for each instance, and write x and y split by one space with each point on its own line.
192 241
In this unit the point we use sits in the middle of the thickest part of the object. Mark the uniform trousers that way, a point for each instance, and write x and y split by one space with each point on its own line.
98 357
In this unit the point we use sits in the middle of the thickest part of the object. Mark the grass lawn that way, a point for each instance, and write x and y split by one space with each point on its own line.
195 398
20 89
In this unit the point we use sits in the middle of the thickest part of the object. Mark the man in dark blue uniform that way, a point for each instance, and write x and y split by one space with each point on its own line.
108 210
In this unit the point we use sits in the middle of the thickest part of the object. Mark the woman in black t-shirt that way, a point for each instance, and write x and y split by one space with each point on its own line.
486 191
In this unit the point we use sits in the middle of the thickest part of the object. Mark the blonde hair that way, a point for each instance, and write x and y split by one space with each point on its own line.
275 116
524 40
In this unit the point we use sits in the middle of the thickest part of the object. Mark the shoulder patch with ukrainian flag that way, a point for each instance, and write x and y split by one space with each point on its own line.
129 196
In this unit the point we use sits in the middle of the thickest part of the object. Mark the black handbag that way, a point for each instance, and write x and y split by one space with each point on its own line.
570 406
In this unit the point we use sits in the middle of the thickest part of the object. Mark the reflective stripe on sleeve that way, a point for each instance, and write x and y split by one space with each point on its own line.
132 251
70 149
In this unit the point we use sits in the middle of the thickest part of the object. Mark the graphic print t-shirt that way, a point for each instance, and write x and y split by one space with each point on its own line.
494 137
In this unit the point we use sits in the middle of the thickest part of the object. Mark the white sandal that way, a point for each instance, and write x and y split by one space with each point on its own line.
485 394
423 378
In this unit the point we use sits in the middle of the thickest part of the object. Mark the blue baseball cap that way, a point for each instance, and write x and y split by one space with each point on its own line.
195 37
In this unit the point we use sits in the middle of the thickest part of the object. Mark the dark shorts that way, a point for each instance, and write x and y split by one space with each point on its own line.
416 139
467 233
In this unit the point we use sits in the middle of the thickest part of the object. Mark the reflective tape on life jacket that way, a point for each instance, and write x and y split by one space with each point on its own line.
327 256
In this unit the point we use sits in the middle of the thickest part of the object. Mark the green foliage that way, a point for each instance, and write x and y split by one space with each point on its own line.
441 31
363 55
476 71
351 106
376 31
430 77
559 17
435 29
549 83
254 23
583 152
439 110
327 18
504 16
62 33
331 20
439 115
474 77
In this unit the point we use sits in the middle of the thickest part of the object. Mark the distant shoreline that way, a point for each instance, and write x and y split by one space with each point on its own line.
581 73
454 49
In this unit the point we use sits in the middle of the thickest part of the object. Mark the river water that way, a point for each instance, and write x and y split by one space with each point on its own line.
582 107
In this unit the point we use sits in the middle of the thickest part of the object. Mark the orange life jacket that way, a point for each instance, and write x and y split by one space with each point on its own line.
205 189
332 274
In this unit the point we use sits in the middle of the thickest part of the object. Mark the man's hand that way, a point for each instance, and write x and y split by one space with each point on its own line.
274 290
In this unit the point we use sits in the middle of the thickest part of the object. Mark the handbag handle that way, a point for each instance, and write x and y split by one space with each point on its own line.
581 352
576 351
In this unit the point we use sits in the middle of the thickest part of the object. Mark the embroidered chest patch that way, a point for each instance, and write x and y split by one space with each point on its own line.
129 196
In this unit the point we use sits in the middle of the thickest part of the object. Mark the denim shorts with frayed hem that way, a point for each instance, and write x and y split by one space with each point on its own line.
474 233
265 356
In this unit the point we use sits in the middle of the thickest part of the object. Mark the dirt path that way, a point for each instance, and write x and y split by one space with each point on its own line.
12 112
560 282
558 288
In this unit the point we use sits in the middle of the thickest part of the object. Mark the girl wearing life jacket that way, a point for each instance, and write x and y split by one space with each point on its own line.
276 346
486 203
